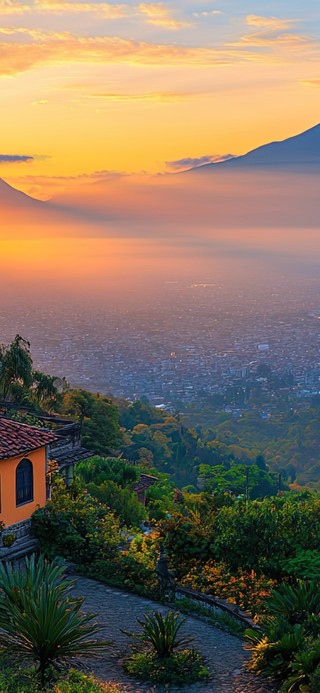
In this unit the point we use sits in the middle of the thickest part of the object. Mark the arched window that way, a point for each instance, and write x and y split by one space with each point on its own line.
24 482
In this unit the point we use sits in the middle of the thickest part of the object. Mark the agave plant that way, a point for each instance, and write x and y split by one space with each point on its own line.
295 603
36 572
303 667
273 657
160 633
39 622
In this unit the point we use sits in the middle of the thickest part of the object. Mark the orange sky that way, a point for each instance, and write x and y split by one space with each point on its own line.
97 86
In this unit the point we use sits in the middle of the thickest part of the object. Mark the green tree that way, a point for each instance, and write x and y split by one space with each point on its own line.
100 417
15 366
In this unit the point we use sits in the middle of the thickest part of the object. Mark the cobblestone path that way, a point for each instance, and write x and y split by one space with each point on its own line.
225 654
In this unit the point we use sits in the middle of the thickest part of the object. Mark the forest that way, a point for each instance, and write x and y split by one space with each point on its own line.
230 523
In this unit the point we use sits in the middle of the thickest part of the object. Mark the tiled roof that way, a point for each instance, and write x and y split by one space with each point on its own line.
144 483
18 439
69 457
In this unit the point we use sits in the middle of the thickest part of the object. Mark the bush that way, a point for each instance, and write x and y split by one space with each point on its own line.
16 681
160 633
289 647
314 686
178 669
159 661
75 525
8 539
40 622
243 588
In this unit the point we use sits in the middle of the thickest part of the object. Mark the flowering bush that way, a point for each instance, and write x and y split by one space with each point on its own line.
243 588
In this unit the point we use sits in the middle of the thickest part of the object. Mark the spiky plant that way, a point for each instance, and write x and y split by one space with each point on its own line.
39 622
160 633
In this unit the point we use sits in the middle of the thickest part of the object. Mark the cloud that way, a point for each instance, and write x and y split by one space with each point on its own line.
269 22
159 97
273 34
194 162
15 158
103 9
49 48
311 82
23 49
161 15
207 13
269 38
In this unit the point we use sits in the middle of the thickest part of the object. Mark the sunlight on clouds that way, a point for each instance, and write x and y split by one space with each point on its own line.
63 47
152 96
311 82
160 15
104 10
269 22
207 13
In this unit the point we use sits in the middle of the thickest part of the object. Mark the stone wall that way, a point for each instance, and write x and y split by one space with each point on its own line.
24 543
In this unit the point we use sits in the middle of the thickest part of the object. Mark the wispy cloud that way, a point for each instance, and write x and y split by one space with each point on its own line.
50 48
161 15
22 49
166 97
195 162
311 82
206 13
103 9
15 158
274 23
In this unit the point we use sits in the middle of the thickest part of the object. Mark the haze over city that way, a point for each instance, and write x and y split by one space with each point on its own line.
136 187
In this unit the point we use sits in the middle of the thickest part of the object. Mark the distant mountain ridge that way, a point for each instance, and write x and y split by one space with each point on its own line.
300 150
10 196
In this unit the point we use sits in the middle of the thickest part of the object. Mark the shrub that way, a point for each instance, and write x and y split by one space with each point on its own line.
16 681
39 622
75 525
8 539
160 633
243 588
289 647
180 668
314 686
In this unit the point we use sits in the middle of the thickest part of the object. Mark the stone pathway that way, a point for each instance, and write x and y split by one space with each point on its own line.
225 654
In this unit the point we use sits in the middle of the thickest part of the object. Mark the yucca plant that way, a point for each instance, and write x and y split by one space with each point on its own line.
39 622
160 633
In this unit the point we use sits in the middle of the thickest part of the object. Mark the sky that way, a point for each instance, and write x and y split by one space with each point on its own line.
98 88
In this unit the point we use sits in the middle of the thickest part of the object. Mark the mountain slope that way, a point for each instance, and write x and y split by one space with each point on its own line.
302 150
23 216
10 198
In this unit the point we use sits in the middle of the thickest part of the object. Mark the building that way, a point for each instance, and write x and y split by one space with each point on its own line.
141 486
23 469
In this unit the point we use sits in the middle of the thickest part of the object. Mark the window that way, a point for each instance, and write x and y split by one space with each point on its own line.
24 482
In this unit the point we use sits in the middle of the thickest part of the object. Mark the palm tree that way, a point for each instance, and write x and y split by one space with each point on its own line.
40 622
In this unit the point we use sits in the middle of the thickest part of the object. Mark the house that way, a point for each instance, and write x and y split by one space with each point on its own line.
66 449
23 469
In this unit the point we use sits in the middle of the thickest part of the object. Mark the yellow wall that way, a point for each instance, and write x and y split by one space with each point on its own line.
9 513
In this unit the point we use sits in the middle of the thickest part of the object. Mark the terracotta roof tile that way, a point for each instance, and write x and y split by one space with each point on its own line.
18 439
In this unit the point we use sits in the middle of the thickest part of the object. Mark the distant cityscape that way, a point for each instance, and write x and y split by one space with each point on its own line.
191 342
